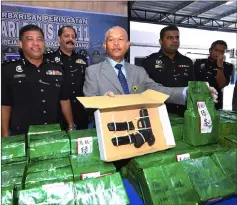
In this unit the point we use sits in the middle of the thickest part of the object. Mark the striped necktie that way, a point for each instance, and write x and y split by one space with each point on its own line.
122 79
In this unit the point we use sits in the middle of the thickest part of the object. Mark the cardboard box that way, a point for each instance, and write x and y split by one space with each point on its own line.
125 108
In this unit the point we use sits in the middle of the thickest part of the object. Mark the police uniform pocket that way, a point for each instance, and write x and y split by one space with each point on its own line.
52 81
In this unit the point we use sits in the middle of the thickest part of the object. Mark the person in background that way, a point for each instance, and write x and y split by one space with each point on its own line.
74 65
214 69
33 88
234 100
169 67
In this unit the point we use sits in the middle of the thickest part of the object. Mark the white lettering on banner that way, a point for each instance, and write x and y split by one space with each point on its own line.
205 118
13 21
90 175
84 145
182 157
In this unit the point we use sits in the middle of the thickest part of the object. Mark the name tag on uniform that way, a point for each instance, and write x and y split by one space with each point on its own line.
80 61
19 75
53 72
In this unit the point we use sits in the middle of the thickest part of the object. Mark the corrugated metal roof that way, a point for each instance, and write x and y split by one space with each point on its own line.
179 11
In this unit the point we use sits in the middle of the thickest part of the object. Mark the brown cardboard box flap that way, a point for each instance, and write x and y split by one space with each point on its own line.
148 97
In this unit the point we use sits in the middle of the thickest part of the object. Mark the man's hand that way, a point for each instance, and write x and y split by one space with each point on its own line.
110 94
214 94
220 60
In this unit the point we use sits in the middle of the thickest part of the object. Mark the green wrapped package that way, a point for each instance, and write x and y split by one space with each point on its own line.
13 149
176 119
177 131
84 141
201 120
58 171
84 168
228 123
13 175
178 153
7 197
231 140
208 180
228 141
50 145
43 129
58 193
167 185
227 114
208 150
227 162
104 190
48 165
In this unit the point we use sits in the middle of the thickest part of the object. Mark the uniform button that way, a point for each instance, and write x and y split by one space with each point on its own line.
74 100
45 123
44 111
19 81
72 74
69 58
73 92
175 78
56 79
73 83
42 90
207 77
70 66
43 101
38 70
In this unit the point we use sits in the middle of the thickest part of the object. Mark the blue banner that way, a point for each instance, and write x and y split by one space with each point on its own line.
90 28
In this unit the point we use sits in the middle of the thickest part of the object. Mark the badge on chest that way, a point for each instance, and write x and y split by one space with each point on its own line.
53 72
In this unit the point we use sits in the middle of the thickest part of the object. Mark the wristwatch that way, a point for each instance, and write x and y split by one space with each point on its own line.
71 127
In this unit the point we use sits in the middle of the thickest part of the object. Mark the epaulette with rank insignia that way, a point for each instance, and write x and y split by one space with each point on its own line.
12 61
151 56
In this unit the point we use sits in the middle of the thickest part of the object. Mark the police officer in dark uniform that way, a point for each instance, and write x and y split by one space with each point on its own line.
74 65
169 67
214 70
32 87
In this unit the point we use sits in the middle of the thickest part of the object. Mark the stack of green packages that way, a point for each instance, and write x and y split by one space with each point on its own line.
227 161
48 172
201 120
12 180
58 193
104 190
181 151
207 178
167 184
13 149
49 145
177 126
86 161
